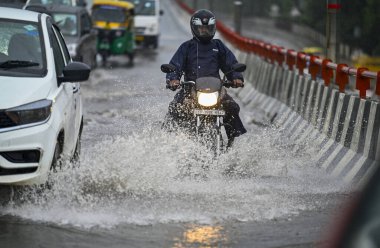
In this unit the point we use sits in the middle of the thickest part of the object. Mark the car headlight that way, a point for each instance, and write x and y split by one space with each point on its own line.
34 112
72 49
208 99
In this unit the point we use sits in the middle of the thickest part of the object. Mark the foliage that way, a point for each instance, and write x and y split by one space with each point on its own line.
357 20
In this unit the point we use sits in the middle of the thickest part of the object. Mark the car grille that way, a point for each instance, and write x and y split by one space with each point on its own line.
139 30
5 121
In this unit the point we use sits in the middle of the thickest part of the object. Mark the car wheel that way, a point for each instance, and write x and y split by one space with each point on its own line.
57 161
78 147
56 164
155 43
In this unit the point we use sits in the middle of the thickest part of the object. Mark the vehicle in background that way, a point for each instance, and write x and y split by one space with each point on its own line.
371 63
147 22
316 51
76 26
114 22
82 3
41 116
18 4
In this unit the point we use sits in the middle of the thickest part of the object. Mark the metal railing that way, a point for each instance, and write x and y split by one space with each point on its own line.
315 66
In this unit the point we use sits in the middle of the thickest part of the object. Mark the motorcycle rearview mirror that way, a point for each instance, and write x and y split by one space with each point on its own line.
168 68
239 67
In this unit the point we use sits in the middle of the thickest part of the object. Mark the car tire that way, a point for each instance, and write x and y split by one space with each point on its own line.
155 43
75 160
57 161
56 164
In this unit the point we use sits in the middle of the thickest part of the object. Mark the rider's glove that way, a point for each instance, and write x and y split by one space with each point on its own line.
173 84
237 83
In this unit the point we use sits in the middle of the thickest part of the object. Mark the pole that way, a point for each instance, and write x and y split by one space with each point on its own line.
331 29
238 5
211 5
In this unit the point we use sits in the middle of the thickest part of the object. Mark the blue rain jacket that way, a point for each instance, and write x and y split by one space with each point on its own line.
198 59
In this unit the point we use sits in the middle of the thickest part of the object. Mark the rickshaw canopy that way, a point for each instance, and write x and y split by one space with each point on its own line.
116 3
112 14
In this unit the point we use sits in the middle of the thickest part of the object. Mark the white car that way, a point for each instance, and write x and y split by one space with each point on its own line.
40 98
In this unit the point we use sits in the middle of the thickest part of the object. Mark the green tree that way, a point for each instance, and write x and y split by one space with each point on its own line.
370 39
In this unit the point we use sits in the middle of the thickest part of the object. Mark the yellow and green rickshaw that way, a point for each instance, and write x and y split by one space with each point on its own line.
114 21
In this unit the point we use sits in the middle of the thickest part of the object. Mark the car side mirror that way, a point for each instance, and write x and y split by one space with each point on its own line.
161 12
75 72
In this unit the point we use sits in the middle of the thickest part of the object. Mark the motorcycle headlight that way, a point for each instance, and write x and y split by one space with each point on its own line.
207 99
34 112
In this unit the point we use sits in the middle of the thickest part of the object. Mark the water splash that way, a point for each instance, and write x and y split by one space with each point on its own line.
152 176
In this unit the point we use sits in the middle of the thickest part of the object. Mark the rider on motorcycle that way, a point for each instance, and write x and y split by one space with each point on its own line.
204 56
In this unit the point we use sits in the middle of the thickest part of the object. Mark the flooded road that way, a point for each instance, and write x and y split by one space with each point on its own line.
129 190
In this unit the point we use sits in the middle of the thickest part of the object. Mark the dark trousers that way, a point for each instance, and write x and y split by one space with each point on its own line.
232 122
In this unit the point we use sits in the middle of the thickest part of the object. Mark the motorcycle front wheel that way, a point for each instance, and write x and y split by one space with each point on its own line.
211 135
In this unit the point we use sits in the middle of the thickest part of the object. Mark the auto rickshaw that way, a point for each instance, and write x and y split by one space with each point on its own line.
114 22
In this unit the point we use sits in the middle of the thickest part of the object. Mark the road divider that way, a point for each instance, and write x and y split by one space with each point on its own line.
300 95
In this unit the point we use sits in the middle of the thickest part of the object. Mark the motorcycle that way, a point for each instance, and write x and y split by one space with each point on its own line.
202 112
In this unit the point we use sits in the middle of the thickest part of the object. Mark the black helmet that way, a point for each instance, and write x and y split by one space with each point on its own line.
203 25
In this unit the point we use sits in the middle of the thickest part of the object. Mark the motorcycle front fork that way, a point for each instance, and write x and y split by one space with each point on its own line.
218 136
217 123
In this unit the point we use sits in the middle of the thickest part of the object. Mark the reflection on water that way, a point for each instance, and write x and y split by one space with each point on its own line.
201 236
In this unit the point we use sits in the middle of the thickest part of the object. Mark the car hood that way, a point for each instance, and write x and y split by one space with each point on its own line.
16 91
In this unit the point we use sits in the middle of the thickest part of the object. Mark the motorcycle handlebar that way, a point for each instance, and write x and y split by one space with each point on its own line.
227 84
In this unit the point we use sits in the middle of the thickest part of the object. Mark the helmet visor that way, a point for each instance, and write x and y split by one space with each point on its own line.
205 30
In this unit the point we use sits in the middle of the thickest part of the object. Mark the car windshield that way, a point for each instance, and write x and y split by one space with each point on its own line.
21 49
67 23
60 2
108 14
145 7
